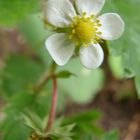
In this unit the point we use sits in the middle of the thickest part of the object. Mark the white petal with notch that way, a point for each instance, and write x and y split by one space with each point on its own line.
59 12
89 6
60 48
92 56
112 26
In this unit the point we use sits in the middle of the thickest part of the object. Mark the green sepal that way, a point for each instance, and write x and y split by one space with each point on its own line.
33 121
64 74
58 132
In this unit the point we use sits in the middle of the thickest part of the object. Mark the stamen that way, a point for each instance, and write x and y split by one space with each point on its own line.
88 18
76 18
99 33
92 16
97 21
99 25
84 14
84 30
95 42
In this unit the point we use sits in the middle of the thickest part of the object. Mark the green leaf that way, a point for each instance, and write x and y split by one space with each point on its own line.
85 85
115 63
64 74
22 72
32 28
58 122
65 138
84 117
20 101
85 124
33 121
14 11
112 135
137 83
128 46
62 131
13 129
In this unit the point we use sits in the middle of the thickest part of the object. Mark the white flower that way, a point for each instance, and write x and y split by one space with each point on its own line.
80 27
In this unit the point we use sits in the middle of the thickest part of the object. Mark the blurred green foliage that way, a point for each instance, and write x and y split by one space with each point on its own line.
21 74
18 78
12 12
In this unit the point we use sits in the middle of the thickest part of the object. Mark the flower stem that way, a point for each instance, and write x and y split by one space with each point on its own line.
53 106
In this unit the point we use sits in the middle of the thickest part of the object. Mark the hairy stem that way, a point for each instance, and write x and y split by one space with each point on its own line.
49 74
53 106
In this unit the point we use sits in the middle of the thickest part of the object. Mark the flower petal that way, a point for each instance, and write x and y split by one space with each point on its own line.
60 48
92 56
89 6
59 12
112 26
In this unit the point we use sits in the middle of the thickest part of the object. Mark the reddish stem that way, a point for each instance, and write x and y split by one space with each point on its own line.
53 106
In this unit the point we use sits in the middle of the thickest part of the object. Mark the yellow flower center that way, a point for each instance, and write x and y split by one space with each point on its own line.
85 30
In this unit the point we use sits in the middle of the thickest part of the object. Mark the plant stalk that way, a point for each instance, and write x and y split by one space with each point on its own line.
53 106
